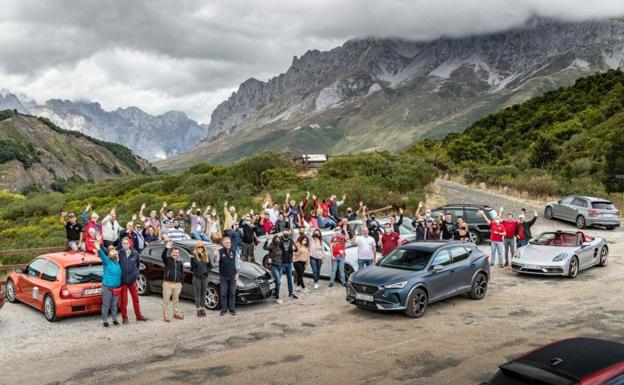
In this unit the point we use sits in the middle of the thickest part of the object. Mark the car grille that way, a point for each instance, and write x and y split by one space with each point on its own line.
368 289
264 287
545 269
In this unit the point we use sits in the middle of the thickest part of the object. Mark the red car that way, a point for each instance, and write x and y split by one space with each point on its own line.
575 361
59 284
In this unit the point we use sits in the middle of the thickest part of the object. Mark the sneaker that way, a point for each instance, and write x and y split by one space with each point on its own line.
223 312
279 301
305 290
293 296
233 312
141 319
331 284
316 286
115 323
298 289
106 324
125 321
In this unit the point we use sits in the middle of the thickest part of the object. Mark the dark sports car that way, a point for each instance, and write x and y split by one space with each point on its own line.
256 283
575 361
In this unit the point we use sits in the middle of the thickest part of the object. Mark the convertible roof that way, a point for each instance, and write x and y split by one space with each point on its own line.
578 357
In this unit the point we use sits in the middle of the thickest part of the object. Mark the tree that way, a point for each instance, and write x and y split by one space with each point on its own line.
614 165
543 151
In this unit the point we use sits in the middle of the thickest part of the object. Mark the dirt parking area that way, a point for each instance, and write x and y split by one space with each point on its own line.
319 338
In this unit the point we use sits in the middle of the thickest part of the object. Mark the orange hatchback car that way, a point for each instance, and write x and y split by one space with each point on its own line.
59 284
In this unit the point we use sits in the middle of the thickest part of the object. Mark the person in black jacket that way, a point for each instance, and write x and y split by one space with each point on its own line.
200 266
229 267
129 262
275 261
288 247
172 280
523 230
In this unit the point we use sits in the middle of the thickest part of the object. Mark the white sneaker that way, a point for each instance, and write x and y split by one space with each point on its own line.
298 289
279 301
316 286
305 290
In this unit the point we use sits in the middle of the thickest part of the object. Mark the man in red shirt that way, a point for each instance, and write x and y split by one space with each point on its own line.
511 226
339 251
389 240
497 235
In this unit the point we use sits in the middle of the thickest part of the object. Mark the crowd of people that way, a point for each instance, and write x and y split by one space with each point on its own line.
294 237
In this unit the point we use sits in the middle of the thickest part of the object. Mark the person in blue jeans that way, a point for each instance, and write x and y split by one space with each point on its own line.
275 262
338 248
111 281
367 250
288 247
229 268
317 254
198 223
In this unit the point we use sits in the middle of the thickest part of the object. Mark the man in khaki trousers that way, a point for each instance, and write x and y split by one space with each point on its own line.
172 281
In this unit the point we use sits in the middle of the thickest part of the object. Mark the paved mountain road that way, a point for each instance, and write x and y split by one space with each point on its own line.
320 339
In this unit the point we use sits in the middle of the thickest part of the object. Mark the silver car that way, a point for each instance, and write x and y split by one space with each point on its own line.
584 211
562 253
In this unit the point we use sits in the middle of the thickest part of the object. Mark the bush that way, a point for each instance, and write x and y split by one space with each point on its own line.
279 178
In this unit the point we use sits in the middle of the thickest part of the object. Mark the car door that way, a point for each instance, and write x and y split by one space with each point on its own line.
461 268
29 284
187 282
47 281
588 255
440 283
564 209
579 206
327 260
154 268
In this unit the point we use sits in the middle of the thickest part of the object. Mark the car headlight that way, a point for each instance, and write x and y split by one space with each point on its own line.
396 285
560 257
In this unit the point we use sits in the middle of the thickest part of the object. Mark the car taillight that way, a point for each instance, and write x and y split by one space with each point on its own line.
593 212
65 293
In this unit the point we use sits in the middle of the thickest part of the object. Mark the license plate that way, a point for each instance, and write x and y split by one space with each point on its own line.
533 267
92 291
364 297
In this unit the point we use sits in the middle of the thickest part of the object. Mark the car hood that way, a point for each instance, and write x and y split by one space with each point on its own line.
537 253
378 276
251 270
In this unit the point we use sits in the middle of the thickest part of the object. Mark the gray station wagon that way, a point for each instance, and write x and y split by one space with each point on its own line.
584 211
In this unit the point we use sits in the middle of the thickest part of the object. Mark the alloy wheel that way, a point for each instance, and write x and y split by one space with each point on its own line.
10 286
580 222
474 237
603 256
212 298
49 309
420 303
481 286
573 268
548 213
141 284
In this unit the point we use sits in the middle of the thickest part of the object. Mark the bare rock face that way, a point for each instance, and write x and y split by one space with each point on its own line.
412 89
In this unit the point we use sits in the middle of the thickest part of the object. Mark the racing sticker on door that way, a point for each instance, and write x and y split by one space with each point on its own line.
35 293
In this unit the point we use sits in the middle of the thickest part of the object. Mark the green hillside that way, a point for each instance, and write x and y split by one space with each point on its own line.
565 141
380 179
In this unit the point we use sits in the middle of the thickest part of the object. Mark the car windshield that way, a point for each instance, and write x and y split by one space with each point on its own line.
556 239
603 205
84 274
407 259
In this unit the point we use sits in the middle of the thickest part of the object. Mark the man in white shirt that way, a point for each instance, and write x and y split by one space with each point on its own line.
273 213
110 229
367 252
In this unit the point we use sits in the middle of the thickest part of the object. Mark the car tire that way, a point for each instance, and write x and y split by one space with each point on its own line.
548 213
474 237
348 271
213 297
604 254
417 303
10 289
49 308
580 222
574 267
143 287
479 287
611 228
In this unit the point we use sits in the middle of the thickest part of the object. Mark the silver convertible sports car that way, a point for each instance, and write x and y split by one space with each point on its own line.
563 253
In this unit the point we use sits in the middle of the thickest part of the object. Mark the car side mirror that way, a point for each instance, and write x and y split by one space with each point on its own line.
437 268
19 270
586 244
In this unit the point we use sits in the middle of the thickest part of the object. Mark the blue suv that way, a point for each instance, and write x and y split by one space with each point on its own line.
417 274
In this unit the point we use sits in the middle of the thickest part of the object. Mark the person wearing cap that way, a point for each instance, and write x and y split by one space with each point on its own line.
523 230
73 232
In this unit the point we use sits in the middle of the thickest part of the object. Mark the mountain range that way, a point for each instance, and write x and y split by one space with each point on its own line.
34 151
151 137
372 93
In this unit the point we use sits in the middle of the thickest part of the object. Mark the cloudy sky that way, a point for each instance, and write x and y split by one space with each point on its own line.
190 55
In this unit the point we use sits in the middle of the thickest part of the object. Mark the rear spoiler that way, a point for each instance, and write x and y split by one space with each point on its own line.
538 374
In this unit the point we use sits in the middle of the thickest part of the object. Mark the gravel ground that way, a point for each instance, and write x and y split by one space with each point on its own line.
320 338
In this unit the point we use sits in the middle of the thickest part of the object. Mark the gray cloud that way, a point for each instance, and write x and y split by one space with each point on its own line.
189 55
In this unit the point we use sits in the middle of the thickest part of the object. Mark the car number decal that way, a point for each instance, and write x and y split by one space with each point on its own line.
35 293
